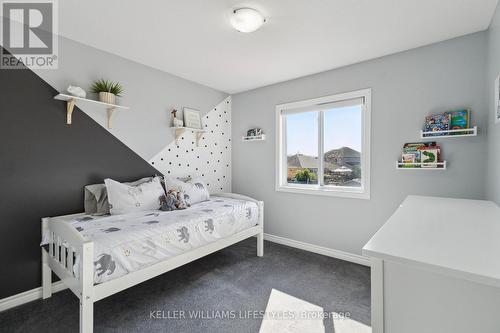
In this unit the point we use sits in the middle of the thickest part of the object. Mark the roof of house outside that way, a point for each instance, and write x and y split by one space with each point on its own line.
307 162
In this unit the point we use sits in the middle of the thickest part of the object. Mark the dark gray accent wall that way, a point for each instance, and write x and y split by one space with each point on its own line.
44 165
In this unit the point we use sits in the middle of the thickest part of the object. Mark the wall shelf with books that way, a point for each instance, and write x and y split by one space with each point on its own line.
449 124
421 156
454 133
421 166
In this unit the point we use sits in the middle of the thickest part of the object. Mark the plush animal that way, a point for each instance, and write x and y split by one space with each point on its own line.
167 202
181 201
173 200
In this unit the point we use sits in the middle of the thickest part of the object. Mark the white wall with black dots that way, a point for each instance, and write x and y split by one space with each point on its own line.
210 159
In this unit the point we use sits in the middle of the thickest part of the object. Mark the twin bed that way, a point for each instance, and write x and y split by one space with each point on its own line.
97 257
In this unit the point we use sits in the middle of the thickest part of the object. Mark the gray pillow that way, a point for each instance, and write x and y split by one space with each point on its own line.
96 197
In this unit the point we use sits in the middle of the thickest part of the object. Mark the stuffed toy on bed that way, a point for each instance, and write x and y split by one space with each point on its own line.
173 200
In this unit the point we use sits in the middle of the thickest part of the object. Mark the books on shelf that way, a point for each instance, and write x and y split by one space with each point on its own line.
460 119
448 123
420 155
437 123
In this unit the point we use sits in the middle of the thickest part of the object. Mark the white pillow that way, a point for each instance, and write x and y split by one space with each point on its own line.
96 197
125 198
194 190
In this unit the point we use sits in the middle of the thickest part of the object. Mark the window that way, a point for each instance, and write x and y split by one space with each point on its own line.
324 145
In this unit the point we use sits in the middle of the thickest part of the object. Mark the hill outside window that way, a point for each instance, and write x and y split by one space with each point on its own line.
324 145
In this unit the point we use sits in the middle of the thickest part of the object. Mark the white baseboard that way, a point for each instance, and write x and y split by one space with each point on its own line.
28 296
355 258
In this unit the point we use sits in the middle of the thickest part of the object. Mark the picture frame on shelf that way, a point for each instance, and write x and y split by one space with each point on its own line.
192 118
254 132
497 99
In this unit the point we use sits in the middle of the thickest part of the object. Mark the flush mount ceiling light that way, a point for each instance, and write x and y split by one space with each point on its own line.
247 19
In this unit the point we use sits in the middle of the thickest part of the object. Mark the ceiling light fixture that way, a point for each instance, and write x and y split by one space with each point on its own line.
247 19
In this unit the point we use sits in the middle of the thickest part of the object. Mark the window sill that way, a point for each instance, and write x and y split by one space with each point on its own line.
332 192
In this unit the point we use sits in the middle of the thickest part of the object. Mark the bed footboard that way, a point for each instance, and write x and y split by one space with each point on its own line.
260 236
65 245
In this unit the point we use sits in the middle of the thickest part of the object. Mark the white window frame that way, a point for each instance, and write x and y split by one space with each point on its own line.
281 154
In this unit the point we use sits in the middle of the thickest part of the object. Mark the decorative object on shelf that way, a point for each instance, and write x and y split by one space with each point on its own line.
421 155
497 99
192 118
176 121
107 90
455 123
254 134
71 101
76 91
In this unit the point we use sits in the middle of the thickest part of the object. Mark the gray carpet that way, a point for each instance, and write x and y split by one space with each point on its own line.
233 279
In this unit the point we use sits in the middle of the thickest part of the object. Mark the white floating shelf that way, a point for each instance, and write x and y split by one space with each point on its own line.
254 138
72 100
178 131
421 166
449 134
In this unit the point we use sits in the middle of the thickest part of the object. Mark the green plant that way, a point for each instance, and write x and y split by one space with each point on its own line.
106 86
356 171
305 176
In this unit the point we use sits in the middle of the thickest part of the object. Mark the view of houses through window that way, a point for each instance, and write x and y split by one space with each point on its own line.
341 140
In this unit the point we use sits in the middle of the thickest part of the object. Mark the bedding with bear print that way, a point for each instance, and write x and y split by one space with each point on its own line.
129 242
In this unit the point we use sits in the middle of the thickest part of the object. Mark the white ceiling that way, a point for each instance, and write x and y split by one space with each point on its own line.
194 40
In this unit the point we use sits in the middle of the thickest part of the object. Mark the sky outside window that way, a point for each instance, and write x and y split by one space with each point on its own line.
342 129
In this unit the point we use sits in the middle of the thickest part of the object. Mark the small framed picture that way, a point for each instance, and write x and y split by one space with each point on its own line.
497 99
192 118
254 132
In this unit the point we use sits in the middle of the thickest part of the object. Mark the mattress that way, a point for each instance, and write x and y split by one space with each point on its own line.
130 242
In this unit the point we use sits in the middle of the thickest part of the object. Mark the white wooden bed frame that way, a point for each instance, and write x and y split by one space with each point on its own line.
84 288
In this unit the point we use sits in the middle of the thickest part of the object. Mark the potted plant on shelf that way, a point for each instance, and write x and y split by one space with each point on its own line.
107 90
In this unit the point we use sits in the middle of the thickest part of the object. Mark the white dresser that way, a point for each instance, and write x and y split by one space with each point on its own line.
436 267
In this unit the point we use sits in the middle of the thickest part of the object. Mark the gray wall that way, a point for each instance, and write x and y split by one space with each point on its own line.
493 181
149 93
405 88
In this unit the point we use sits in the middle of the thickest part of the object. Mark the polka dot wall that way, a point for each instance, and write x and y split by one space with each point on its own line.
210 159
